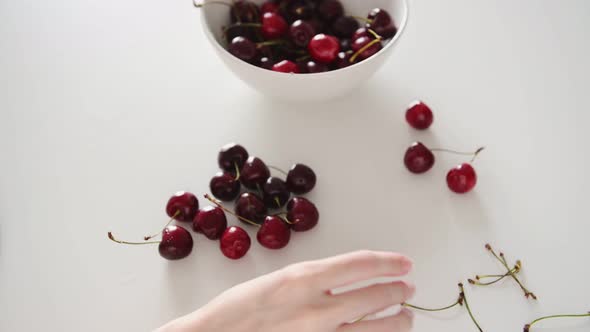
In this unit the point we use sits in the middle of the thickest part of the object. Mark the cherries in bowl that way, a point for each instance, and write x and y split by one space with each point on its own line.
289 44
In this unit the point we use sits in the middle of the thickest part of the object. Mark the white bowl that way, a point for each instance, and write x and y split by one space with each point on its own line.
306 87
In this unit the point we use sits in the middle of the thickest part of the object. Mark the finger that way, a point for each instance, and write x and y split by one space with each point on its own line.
360 302
358 266
401 322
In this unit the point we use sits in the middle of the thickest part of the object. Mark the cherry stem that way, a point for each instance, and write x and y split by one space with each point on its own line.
486 276
364 19
218 203
527 327
278 202
468 308
458 302
146 238
474 154
271 43
112 238
246 25
502 260
278 170
303 58
366 47
198 4
237 171
375 34
284 217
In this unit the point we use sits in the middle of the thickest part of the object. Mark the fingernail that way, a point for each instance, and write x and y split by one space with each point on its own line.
407 264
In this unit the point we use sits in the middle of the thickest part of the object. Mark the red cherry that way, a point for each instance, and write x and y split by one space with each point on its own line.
211 222
224 186
254 173
286 66
343 60
273 26
235 242
232 156
274 233
302 214
418 158
250 207
301 179
419 115
324 48
361 32
183 206
462 178
361 43
269 7
177 243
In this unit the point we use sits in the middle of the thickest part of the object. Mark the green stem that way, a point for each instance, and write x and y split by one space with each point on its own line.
237 171
468 308
527 327
527 293
366 47
218 203
432 310
276 168
112 238
145 238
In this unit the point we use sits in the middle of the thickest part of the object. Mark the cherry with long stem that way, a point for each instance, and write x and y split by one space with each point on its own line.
528 327
149 237
218 203
473 154
112 238
502 260
377 39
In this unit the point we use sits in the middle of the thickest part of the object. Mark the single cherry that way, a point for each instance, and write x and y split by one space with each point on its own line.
176 243
330 10
183 206
242 30
265 63
324 48
302 214
274 233
301 33
365 47
244 12
342 60
462 178
419 115
361 32
345 45
234 242
273 26
254 173
275 193
301 179
225 186
242 48
232 156
418 158
380 21
269 7
345 26
250 206
211 221
312 67
286 66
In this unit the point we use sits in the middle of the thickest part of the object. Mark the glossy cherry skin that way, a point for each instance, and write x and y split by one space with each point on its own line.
361 32
242 48
418 158
265 62
324 48
345 27
230 156
184 205
240 30
251 207
301 179
312 67
245 12
361 42
269 7
302 214
342 60
301 32
275 193
273 26
224 186
345 45
235 242
381 23
330 10
177 243
462 178
286 66
210 221
274 233
419 115
254 173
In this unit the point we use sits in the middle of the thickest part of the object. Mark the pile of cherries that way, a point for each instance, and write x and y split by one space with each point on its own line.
266 203
420 159
303 36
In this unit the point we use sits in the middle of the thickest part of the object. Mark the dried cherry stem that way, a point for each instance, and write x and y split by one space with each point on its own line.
468 308
276 168
146 238
476 282
366 47
487 276
502 260
527 327
474 154
112 238
218 204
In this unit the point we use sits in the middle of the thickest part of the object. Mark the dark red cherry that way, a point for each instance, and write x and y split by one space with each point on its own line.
345 27
242 30
330 10
361 32
210 221
183 206
299 9
342 60
380 21
269 7
230 156
251 207
242 48
360 43
312 67
275 193
324 48
462 178
273 26
418 158
301 33
345 45
302 214
274 233
254 173
224 186
301 179
235 242
177 243
265 62
318 25
419 115
286 66
244 12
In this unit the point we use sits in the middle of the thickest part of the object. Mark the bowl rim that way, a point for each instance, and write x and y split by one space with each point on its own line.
401 29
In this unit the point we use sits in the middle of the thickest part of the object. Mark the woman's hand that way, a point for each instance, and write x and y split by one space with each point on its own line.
298 298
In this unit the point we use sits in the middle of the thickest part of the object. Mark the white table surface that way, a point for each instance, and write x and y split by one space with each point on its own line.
107 107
